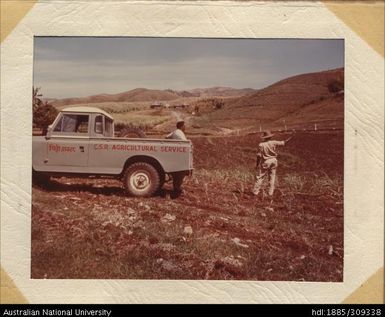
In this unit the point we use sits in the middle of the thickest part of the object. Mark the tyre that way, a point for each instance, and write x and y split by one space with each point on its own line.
132 133
141 180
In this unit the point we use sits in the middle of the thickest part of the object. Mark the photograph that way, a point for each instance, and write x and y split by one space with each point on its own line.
187 158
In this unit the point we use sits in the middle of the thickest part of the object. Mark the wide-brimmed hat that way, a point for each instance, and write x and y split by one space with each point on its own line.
266 135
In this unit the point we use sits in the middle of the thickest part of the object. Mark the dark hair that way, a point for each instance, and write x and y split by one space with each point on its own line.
179 124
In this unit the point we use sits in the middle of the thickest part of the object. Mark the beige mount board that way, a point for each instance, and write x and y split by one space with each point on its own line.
360 23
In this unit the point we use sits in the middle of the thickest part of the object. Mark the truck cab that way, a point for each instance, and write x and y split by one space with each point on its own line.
88 121
68 137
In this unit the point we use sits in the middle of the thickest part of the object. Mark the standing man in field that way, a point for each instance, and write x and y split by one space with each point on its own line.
177 177
267 162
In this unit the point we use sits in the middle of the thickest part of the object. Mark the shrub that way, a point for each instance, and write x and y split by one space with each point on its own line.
43 116
336 85
218 104
43 113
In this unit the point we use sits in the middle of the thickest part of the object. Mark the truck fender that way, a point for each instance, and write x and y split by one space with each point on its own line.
146 159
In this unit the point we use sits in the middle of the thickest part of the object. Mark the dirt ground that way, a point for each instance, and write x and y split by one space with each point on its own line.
84 228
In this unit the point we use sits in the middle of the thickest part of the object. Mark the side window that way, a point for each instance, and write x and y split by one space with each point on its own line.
108 127
59 125
98 125
82 124
72 123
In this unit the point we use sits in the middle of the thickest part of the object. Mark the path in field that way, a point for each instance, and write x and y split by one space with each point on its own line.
175 116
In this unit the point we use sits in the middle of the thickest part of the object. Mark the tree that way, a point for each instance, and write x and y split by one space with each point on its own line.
36 102
43 113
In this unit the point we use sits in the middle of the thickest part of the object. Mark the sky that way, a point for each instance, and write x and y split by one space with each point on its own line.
83 66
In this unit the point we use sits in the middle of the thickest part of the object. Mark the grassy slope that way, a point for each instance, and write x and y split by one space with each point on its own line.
300 99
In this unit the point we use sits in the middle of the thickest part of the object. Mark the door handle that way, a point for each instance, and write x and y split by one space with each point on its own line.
81 148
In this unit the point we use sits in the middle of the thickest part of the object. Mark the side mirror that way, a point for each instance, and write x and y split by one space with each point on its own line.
49 132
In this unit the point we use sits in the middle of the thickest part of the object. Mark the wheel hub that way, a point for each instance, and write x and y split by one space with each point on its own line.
140 180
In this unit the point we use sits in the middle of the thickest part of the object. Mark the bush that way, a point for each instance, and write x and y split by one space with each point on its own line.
218 104
43 113
336 85
43 116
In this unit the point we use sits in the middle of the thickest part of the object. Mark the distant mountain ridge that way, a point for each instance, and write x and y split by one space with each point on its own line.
306 98
146 95
138 94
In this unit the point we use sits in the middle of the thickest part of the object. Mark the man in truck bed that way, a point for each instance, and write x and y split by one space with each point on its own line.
177 177
178 134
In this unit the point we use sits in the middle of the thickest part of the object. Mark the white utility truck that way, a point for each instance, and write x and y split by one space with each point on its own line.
81 143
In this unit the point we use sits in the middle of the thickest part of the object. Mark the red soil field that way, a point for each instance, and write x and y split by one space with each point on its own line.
84 228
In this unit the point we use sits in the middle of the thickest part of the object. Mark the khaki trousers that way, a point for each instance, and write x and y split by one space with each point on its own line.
268 169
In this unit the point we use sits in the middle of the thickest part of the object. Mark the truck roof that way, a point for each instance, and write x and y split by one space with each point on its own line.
87 110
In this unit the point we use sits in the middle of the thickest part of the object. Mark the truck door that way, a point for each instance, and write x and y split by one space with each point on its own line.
101 159
68 146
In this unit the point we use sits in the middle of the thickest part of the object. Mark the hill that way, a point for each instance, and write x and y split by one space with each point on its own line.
138 94
152 95
296 100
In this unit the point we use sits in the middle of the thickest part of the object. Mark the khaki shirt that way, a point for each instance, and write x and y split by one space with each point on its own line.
267 149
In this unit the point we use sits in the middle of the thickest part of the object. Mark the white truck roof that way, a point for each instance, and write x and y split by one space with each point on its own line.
87 110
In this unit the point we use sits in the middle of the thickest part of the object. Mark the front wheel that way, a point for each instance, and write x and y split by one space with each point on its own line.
141 180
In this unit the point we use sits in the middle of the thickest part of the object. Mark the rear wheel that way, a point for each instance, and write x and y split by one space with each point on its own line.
141 180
